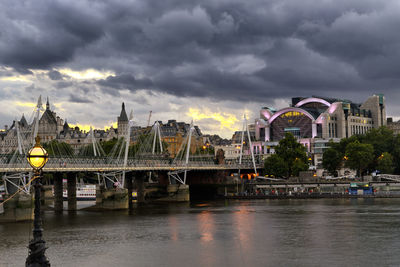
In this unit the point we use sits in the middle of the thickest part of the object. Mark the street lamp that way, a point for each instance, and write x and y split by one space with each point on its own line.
37 158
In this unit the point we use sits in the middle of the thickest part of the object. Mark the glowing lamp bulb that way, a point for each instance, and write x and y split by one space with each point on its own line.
37 156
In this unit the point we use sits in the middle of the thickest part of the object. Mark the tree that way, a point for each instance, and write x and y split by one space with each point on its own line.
293 153
298 166
341 146
276 166
205 150
108 145
385 163
382 139
396 154
332 160
56 148
359 156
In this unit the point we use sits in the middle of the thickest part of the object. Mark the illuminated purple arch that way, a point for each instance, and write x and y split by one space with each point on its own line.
313 100
284 110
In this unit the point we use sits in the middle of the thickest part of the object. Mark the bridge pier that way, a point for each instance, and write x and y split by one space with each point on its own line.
58 192
163 178
19 208
139 180
176 193
129 186
71 186
110 199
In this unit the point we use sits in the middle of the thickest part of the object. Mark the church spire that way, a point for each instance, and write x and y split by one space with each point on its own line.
23 121
47 103
123 116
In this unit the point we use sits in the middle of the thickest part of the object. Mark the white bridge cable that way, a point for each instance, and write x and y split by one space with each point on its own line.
25 140
182 158
127 142
39 108
192 152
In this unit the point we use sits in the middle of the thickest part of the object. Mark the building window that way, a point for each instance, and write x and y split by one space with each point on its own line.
294 130
329 131
336 135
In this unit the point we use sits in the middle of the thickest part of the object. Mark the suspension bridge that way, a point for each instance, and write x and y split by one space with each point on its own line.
148 153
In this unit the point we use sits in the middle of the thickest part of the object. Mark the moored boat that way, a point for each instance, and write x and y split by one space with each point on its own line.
83 192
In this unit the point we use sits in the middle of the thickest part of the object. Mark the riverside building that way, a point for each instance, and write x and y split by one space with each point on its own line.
52 127
314 121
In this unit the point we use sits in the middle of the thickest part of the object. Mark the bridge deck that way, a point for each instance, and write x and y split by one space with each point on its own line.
105 164
119 168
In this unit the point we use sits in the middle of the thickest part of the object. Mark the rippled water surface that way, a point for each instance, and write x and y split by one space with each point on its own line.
337 232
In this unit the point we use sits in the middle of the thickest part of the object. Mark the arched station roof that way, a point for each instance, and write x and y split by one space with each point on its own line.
313 100
296 109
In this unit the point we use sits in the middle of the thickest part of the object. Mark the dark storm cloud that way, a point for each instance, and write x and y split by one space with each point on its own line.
30 89
43 33
5 72
63 84
77 99
23 71
54 75
239 50
126 81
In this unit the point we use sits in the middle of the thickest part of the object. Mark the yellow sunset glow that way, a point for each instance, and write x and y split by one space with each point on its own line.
25 104
86 74
18 78
59 106
114 125
226 120
82 127
86 127
22 77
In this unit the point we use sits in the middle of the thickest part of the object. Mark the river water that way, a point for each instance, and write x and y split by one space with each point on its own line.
324 232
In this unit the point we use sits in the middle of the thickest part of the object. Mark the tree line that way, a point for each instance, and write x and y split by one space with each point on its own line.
377 150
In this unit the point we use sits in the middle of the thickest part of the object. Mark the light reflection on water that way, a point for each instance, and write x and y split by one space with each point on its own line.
337 232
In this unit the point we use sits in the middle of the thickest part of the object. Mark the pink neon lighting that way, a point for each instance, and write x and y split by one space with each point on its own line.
333 107
284 110
266 114
311 100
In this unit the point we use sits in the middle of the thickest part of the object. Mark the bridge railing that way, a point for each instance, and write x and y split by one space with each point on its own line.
106 162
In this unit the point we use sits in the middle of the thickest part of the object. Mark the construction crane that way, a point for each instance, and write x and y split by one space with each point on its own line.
148 121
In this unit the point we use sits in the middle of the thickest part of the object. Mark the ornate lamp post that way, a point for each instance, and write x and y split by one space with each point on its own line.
37 158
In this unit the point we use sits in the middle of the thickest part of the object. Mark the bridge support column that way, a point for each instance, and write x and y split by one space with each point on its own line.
139 179
58 192
177 193
71 185
19 208
129 186
110 199
163 178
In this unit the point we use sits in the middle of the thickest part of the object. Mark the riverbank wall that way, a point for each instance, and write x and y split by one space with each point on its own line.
340 189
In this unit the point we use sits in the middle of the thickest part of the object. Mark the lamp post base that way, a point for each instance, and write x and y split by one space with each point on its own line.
36 256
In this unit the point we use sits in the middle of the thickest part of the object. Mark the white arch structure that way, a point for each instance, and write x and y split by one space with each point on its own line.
290 109
313 100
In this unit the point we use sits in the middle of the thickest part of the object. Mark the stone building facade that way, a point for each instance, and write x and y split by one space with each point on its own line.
52 127
122 122
393 125
175 133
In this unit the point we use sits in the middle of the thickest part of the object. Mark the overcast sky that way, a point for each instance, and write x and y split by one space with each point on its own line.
210 60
